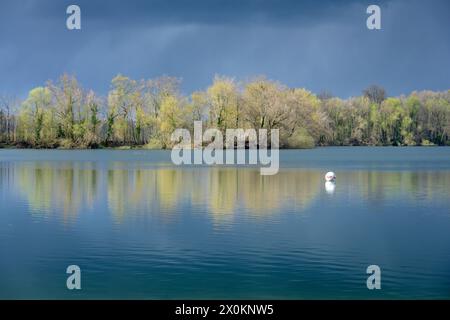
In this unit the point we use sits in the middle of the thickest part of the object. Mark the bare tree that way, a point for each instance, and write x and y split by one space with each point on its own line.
7 120
375 93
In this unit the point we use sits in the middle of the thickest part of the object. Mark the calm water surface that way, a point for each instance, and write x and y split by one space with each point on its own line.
140 227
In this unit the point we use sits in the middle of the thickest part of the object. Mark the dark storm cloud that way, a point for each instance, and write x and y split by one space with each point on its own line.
317 45
157 12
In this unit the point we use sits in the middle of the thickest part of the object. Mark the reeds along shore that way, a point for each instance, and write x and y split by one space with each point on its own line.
144 113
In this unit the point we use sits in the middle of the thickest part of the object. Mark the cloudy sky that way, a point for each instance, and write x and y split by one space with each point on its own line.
319 45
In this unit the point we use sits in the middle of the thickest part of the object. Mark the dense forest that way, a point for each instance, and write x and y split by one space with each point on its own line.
144 113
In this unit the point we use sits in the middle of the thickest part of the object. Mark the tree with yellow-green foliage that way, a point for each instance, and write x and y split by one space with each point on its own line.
36 118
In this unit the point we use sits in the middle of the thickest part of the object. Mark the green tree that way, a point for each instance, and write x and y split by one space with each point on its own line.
31 117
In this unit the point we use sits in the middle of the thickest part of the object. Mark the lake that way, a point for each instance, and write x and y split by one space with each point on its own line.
140 227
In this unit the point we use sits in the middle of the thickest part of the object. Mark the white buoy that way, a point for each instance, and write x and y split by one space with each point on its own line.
330 176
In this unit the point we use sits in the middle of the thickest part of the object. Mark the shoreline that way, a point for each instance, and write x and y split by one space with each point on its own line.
128 147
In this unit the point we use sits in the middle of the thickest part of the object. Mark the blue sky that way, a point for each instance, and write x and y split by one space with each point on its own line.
319 45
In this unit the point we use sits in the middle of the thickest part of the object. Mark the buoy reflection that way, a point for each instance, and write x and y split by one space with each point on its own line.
330 186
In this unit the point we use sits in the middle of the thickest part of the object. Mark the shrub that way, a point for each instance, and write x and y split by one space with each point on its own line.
301 139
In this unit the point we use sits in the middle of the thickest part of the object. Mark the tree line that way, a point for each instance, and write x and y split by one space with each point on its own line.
144 113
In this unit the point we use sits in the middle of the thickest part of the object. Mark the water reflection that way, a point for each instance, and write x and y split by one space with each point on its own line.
330 186
66 188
